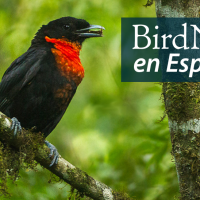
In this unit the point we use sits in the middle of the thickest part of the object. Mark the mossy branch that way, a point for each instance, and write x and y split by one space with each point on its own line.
78 179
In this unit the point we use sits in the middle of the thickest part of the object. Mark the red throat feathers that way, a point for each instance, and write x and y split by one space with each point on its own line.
67 58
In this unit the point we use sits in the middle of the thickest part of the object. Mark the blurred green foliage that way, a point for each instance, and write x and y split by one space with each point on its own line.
110 129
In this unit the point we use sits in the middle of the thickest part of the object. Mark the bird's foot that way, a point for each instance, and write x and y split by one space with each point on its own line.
16 126
53 151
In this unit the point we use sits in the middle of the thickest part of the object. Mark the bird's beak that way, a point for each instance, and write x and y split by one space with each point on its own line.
87 32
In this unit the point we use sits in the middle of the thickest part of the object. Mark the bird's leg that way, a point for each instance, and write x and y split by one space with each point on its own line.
53 151
16 126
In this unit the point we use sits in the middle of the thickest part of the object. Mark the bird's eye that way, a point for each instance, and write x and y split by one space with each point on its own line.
66 27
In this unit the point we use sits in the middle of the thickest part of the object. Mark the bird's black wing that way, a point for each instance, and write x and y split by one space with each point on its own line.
19 74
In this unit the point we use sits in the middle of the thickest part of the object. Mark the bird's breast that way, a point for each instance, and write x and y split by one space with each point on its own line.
67 59
64 95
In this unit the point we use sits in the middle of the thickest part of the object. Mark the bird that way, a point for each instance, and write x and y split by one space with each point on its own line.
37 88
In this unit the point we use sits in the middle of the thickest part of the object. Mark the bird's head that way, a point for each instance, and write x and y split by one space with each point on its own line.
70 28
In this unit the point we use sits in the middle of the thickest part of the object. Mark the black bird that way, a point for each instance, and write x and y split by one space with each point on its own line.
37 88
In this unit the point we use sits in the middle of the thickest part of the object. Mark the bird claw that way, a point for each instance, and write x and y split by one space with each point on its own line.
53 151
16 126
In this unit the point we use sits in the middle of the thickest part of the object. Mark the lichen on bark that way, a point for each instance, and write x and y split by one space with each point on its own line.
182 101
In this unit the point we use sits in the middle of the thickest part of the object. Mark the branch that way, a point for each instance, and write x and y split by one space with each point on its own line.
72 175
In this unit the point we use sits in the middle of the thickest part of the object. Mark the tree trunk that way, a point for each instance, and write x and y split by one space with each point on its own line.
182 104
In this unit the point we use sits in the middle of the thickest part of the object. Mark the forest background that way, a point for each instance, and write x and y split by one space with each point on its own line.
111 129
